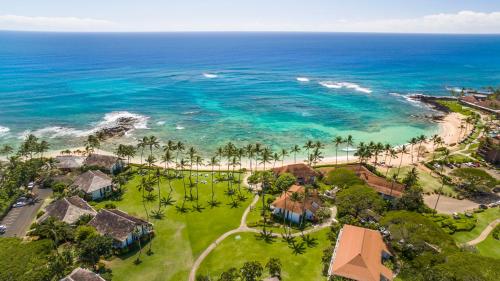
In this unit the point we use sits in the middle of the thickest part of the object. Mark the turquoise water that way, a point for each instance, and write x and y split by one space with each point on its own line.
209 88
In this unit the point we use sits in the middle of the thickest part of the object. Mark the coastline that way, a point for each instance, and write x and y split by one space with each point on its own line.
449 131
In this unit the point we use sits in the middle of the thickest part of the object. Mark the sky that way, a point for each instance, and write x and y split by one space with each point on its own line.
422 16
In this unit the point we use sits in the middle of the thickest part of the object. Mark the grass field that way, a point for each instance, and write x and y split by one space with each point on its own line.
239 248
455 106
483 219
489 247
180 237
427 181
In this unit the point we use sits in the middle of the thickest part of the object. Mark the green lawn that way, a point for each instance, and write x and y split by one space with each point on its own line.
489 247
242 247
455 106
427 181
483 219
180 237
23 260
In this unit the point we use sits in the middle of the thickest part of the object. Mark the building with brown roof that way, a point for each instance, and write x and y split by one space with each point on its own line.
110 163
68 210
302 172
69 162
358 255
294 211
81 274
120 226
94 184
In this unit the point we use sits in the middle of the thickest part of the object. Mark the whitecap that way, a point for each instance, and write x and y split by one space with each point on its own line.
4 131
302 79
179 127
55 131
347 85
210 75
161 123
110 119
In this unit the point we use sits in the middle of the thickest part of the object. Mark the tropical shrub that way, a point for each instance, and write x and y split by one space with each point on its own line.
342 177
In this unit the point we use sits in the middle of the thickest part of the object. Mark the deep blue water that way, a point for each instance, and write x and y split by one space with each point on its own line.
209 88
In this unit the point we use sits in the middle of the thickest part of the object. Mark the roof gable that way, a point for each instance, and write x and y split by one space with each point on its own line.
115 223
68 210
92 180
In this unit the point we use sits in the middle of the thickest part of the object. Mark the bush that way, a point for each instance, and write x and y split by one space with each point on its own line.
496 232
109 206
342 177
356 199
323 214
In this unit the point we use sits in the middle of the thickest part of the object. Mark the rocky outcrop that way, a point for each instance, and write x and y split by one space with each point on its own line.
119 129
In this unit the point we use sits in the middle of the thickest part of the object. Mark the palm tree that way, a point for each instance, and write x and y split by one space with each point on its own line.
167 158
294 197
142 144
198 162
276 157
182 165
179 147
393 154
420 140
446 155
192 157
138 233
153 142
387 149
377 148
42 147
316 156
250 152
412 142
283 153
403 150
295 149
6 150
258 151
92 143
219 153
213 161
239 154
349 141
265 157
308 146
338 140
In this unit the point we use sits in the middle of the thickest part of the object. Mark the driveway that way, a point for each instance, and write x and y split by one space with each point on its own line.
18 220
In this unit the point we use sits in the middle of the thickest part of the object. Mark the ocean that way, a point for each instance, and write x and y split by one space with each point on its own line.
207 89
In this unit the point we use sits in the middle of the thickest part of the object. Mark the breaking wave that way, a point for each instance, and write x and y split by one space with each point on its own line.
302 79
345 85
4 131
210 75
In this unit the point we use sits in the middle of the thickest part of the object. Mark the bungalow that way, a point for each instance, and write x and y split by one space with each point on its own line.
81 274
302 172
112 164
95 184
120 226
359 254
293 211
69 162
68 210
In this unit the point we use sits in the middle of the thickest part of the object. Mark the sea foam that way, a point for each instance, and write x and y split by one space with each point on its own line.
4 131
302 79
346 85
210 75
179 127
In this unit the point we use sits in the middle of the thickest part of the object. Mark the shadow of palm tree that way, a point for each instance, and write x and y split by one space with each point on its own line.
266 236
298 248
310 241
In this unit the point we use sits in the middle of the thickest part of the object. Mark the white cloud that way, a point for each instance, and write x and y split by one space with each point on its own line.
461 22
15 22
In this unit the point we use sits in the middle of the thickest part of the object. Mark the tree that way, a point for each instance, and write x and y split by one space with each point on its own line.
6 150
342 178
446 155
421 139
403 150
213 162
274 267
338 140
474 181
142 145
42 147
356 199
412 141
295 149
349 141
91 249
231 274
251 271
283 154
91 144
283 183
308 146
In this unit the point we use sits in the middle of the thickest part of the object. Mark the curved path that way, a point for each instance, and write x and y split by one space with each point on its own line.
489 228
244 228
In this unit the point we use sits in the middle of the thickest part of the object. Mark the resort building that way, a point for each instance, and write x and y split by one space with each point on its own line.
295 210
303 173
81 274
483 103
120 226
69 162
94 184
489 149
109 163
359 254
68 210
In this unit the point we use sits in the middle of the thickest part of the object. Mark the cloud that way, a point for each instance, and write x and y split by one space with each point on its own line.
16 22
461 22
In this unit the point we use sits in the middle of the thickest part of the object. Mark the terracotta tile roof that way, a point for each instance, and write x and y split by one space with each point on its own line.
358 255
68 210
80 274
105 161
298 170
313 202
92 181
115 223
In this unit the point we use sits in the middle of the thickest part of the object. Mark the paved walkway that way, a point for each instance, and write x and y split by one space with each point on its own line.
244 228
18 220
485 233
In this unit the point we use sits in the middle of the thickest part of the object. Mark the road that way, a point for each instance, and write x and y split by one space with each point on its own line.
18 220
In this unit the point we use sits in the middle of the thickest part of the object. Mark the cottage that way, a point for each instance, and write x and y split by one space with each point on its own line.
95 184
303 173
120 226
110 163
359 254
69 162
294 211
81 274
68 210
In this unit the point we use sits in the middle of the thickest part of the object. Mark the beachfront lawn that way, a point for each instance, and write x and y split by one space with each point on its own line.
242 247
483 219
455 106
490 247
429 183
180 237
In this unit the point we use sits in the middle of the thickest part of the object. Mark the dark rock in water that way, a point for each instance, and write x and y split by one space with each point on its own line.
119 129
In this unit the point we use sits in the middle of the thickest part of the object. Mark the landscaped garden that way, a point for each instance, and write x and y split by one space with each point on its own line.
179 236
490 247
483 219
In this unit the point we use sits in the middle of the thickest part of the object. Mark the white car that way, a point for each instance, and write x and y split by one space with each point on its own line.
3 228
19 204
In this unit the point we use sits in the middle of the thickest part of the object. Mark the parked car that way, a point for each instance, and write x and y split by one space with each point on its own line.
3 228
19 204
483 207
31 184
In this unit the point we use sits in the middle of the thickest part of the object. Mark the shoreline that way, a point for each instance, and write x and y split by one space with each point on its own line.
449 131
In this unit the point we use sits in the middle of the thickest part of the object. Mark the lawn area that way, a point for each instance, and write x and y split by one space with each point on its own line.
489 247
483 219
240 248
180 237
429 183
455 106
22 260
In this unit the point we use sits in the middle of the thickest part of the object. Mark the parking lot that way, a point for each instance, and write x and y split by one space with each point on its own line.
18 220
